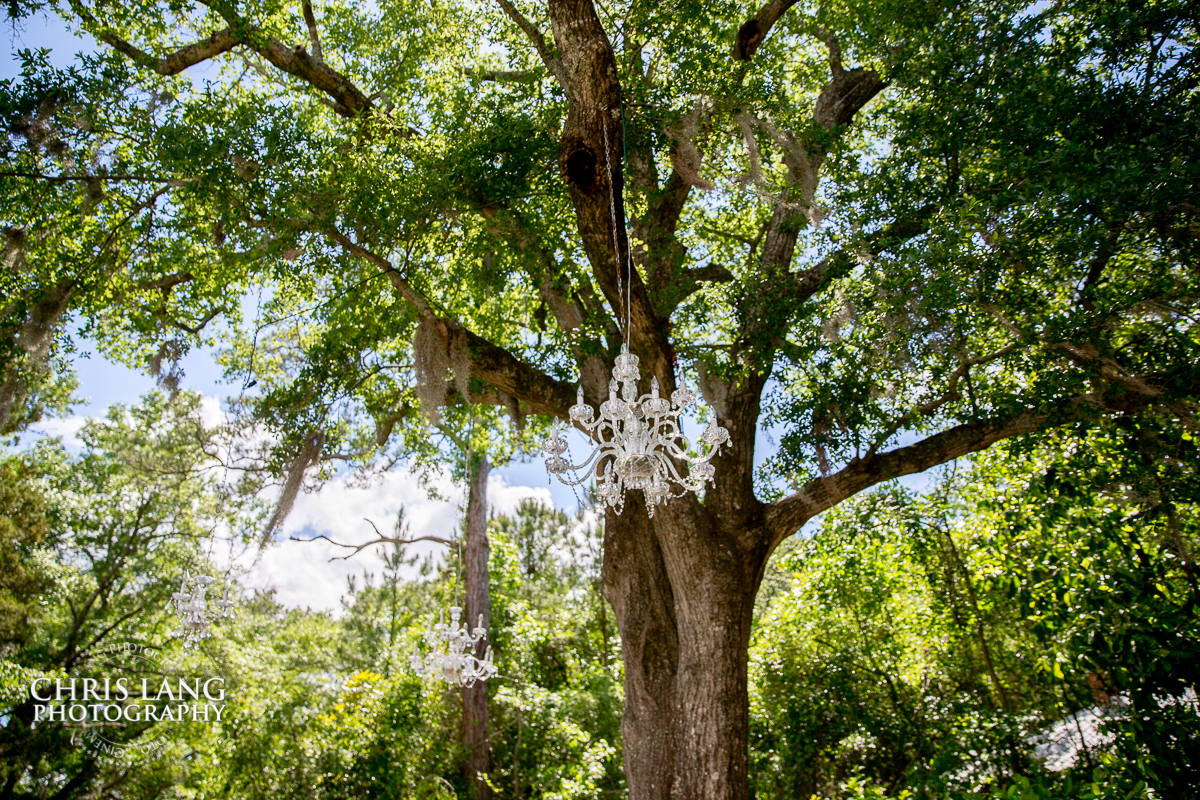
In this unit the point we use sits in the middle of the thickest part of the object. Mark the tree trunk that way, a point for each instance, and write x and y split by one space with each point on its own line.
682 587
475 580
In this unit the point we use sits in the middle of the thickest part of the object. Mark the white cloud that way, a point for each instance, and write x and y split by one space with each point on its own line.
302 572
67 429
210 411
503 498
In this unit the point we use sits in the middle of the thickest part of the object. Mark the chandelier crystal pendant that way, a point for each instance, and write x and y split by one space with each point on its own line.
639 441
192 608
451 652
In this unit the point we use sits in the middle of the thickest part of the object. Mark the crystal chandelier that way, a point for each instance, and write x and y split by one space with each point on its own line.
192 609
451 654
639 441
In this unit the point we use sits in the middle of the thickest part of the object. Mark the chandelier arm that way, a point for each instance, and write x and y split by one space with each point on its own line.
671 423
677 451
704 459
587 427
599 451
674 472
575 482
585 464
700 459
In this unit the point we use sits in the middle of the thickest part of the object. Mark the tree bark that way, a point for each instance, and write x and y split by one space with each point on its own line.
475 579
682 587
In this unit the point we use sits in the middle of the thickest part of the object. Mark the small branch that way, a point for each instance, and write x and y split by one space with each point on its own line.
1108 248
96 639
951 393
835 52
382 539
502 75
398 281
799 286
1008 324
199 326
63 178
733 236
313 38
552 62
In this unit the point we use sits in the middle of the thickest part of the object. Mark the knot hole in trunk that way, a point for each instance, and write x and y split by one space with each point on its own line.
580 166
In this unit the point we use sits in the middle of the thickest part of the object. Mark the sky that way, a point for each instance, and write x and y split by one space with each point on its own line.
42 30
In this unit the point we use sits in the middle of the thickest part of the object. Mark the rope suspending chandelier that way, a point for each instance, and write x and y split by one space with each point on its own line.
639 439
451 655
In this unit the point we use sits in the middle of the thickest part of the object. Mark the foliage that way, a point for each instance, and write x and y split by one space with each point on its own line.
318 705
94 234
327 708
945 645
1022 225
104 570
23 530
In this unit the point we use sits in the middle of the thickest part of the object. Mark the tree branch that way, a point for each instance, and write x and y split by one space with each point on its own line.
567 313
535 36
848 92
503 75
63 178
755 30
347 99
199 326
399 282
489 363
835 52
951 393
167 282
172 64
589 156
506 372
786 515
798 287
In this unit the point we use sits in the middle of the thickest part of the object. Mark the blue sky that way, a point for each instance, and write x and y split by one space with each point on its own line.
42 30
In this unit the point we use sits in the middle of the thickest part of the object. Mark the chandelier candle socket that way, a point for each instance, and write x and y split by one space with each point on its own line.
643 441
451 652
192 609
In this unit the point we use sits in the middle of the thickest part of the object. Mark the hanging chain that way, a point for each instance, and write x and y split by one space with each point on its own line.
623 286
